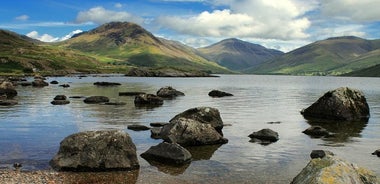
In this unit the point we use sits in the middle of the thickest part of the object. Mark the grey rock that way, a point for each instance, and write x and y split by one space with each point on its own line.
340 104
331 169
217 93
189 132
377 152
168 153
96 99
158 124
8 89
148 99
316 131
320 153
206 115
169 92
96 151
130 93
54 82
155 133
60 102
267 135
60 97
39 83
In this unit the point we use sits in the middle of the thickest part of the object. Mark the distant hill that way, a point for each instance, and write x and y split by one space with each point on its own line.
333 56
21 54
237 54
124 43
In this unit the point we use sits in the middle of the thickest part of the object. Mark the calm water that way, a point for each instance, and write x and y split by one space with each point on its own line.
30 132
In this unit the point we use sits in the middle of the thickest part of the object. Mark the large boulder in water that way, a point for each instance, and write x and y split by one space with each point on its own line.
169 92
39 83
189 132
340 104
331 169
206 115
96 151
264 136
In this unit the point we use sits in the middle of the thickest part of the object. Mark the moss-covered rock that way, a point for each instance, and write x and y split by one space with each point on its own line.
331 169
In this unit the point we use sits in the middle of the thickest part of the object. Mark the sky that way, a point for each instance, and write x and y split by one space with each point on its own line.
278 24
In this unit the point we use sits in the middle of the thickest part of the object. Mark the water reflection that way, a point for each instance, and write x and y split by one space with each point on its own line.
342 131
203 152
173 170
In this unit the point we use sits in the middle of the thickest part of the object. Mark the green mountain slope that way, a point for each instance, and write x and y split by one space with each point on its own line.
129 44
373 71
237 54
332 56
21 54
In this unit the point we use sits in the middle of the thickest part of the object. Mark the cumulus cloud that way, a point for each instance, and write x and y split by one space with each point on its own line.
50 38
44 37
271 19
22 17
118 5
360 11
100 15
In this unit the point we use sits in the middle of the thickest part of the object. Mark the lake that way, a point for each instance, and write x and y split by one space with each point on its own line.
31 131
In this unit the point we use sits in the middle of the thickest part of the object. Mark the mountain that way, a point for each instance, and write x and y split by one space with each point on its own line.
333 56
128 44
237 54
21 54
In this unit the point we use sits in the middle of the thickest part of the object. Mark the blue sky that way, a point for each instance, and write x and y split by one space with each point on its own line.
278 24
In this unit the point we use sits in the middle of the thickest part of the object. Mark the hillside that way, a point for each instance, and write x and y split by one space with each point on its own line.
21 54
333 56
237 54
128 44
373 71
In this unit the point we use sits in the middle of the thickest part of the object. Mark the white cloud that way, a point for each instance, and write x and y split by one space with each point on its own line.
49 38
270 19
360 11
118 5
100 15
22 17
44 37
71 34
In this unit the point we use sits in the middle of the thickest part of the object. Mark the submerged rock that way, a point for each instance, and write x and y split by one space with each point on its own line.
130 93
8 89
217 93
96 151
169 92
8 102
96 99
189 132
316 131
107 84
264 136
138 127
168 153
344 104
39 83
331 169
206 115
148 99
377 152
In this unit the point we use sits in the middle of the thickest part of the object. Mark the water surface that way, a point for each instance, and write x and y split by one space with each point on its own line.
30 132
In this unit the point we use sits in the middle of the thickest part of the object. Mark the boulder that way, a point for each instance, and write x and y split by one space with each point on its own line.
189 132
264 136
138 127
206 115
377 152
8 89
96 99
340 104
169 92
168 153
96 151
130 93
60 100
316 131
107 84
331 169
64 85
217 93
39 83
60 97
148 99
